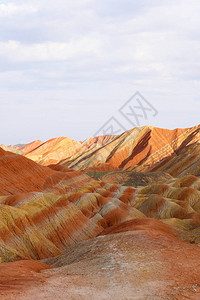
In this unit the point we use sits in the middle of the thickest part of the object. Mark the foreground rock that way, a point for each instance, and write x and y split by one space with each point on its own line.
15 277
141 264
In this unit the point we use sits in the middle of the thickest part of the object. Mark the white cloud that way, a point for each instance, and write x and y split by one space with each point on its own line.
49 51
11 9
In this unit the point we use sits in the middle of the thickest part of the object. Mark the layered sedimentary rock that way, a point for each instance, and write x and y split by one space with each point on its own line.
30 146
98 141
22 148
19 174
137 149
184 161
55 208
11 148
54 150
57 149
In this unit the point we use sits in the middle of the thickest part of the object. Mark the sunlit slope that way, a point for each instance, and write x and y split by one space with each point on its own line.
54 150
139 148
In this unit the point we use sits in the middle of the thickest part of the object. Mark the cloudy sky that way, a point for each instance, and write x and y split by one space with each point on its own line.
67 67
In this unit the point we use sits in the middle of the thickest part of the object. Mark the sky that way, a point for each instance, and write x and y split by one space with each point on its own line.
70 68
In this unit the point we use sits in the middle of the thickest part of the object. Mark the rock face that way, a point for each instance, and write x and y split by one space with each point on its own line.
184 161
141 149
138 149
61 149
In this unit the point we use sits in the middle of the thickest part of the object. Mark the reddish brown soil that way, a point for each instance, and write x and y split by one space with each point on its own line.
140 149
18 275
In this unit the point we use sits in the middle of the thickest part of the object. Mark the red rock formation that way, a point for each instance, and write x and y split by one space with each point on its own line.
22 149
137 149
98 141
183 162
54 150
30 147
19 174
